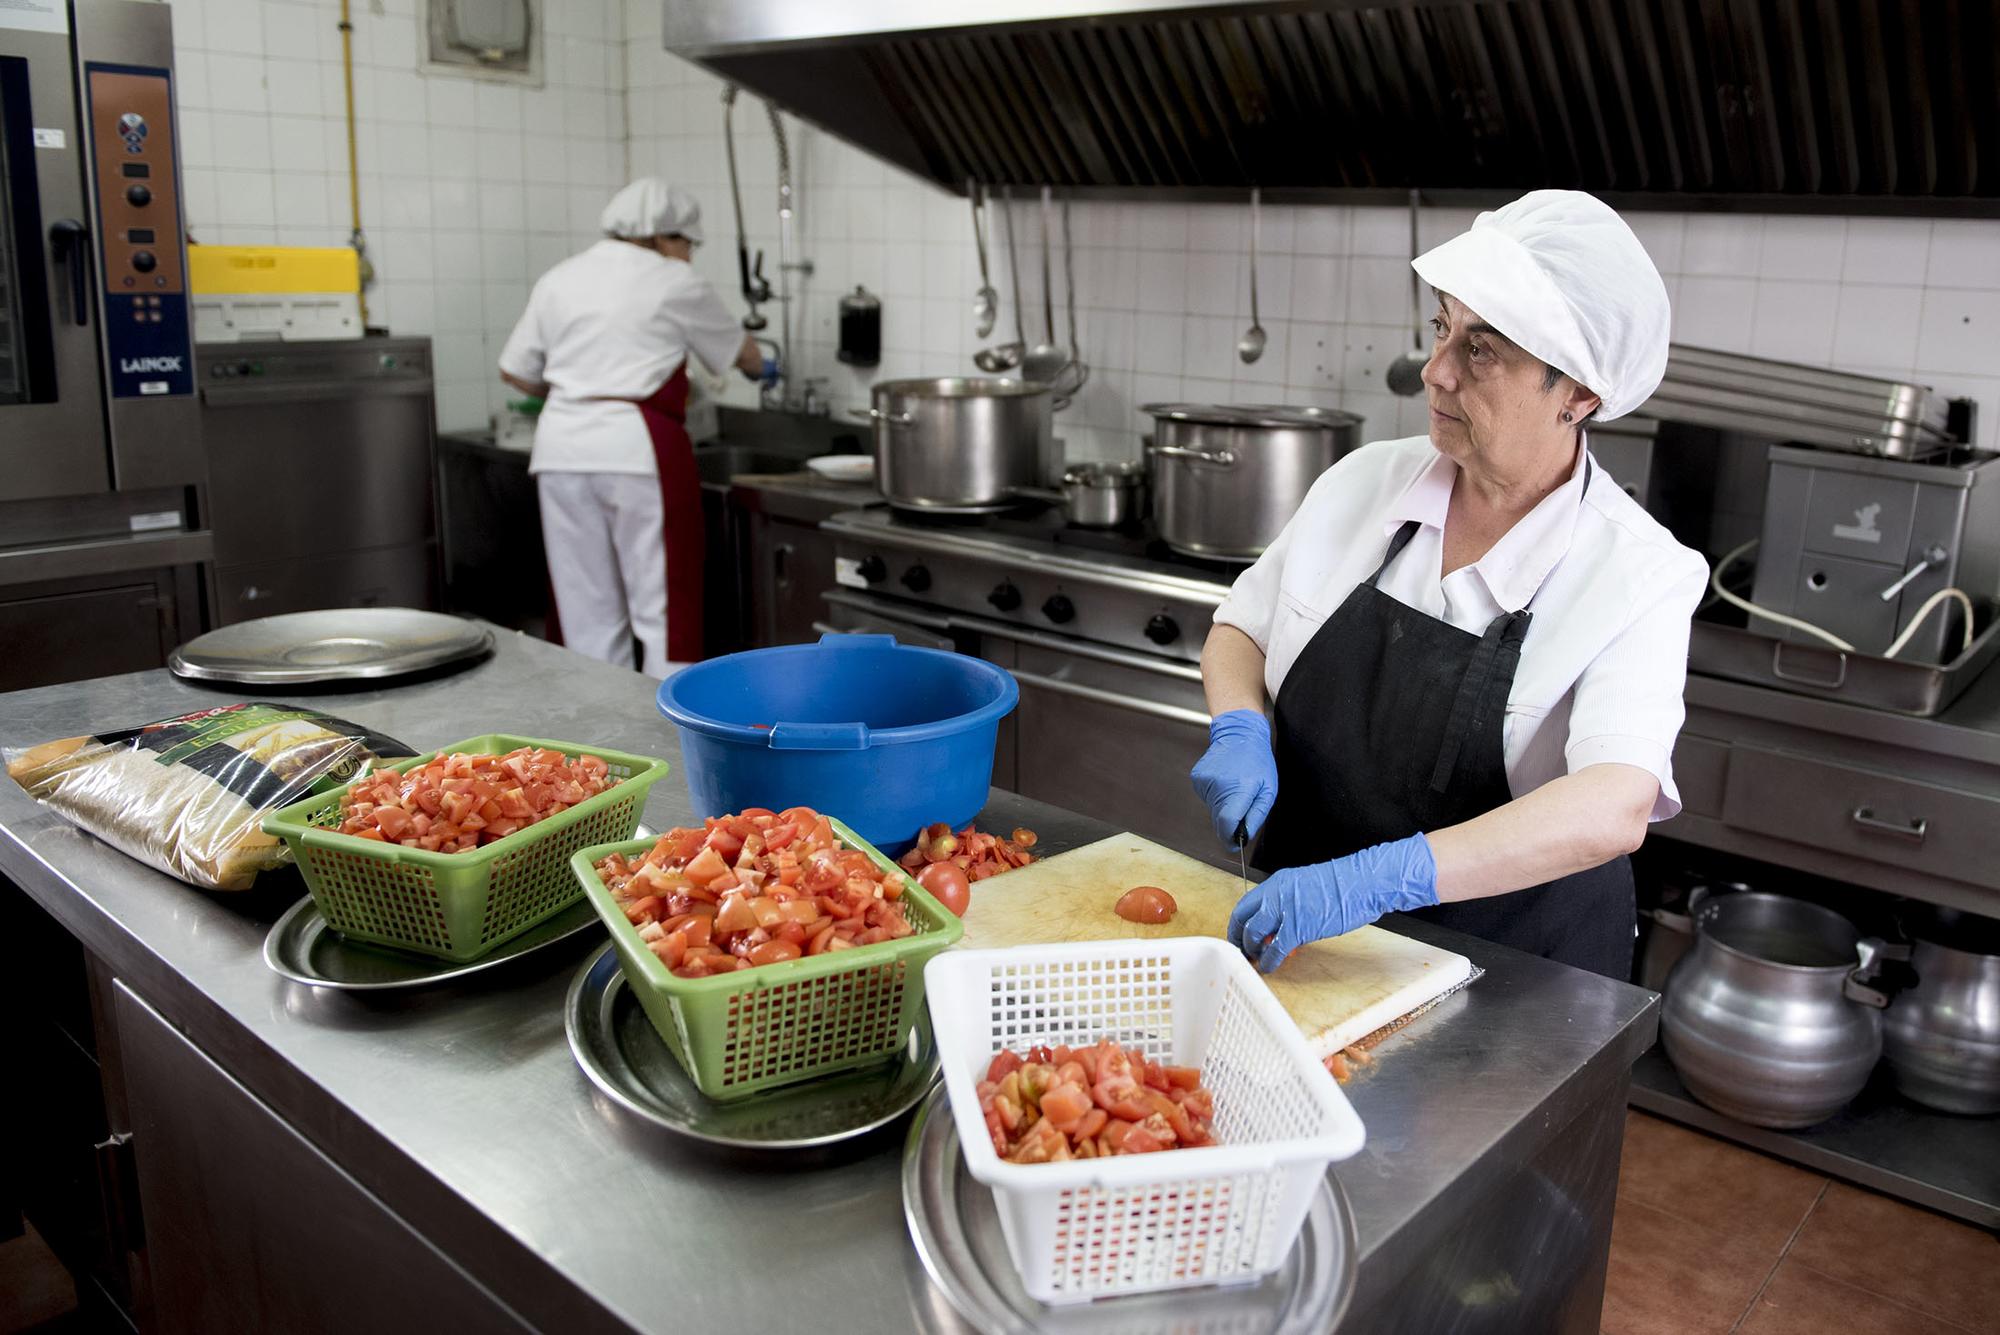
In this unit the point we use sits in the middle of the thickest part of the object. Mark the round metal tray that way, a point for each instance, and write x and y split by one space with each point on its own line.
304 949
339 644
625 1059
958 1238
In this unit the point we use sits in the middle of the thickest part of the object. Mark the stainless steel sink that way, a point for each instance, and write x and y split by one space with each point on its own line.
720 462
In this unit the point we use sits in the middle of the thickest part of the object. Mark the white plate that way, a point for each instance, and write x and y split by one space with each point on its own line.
844 467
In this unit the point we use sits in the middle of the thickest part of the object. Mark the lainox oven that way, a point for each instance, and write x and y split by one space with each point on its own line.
101 470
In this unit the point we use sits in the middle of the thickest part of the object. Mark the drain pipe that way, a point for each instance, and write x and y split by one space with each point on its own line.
356 238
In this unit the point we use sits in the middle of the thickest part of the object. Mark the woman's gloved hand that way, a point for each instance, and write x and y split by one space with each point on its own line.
1310 903
1237 776
769 375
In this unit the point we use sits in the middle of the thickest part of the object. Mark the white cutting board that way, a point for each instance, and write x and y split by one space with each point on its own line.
1338 990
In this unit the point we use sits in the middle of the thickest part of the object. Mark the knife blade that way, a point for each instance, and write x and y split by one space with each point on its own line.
1242 858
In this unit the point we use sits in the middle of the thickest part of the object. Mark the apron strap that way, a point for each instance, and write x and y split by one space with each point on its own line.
1494 660
1396 545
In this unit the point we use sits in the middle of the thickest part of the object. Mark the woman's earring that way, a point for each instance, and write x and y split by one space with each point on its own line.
1569 417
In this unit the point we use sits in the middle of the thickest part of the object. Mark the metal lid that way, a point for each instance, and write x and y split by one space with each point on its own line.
337 644
1254 415
959 387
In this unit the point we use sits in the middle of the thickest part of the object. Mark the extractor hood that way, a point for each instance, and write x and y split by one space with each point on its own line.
1879 106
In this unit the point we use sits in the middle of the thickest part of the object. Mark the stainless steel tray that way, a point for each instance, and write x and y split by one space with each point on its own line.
1832 409
1921 689
337 644
304 949
625 1059
957 1235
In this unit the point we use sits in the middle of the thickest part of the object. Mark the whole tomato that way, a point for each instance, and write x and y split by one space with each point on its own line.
948 884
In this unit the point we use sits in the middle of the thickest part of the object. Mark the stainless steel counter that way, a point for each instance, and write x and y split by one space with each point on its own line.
461 1111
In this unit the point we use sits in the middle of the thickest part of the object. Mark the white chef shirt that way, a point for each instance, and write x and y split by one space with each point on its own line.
1605 659
605 329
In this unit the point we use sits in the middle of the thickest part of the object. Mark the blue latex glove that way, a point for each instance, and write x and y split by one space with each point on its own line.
1301 904
769 375
1237 776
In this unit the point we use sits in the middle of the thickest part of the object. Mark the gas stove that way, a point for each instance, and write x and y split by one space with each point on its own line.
1031 570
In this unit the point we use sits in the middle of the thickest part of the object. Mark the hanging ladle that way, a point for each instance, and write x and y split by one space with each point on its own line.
1003 357
1251 346
986 301
1406 373
1046 360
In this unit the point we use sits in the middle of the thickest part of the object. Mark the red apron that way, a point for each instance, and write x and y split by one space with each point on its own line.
680 506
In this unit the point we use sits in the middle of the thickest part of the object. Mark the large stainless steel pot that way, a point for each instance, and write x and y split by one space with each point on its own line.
1941 1036
1770 1018
960 445
1227 477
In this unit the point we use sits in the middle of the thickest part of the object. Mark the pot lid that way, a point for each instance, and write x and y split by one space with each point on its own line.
960 387
1253 415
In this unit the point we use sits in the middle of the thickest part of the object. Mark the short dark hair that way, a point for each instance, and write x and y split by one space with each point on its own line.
1550 375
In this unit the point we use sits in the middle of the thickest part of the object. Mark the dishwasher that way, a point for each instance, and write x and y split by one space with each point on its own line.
321 469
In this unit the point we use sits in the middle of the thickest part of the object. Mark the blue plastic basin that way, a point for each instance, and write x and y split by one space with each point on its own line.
885 736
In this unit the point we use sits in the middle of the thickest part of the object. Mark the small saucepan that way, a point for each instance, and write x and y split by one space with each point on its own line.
1105 495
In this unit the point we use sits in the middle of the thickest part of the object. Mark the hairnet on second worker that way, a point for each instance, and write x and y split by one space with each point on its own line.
1561 275
651 207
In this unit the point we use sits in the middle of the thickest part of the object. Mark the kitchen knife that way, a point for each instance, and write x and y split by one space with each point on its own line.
1242 858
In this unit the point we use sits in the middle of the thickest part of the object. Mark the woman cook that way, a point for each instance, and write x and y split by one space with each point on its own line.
1475 642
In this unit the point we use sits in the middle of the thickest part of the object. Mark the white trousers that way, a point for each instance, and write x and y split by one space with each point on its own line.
605 535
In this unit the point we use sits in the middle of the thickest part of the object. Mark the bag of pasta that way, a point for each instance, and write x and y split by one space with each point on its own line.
188 794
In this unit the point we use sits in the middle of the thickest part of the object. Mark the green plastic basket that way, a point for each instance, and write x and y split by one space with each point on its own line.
459 906
741 1033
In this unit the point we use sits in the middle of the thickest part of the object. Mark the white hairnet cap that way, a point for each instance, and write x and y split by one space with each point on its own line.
1559 273
651 207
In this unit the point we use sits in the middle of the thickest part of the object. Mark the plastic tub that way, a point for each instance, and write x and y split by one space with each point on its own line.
886 737
1223 1214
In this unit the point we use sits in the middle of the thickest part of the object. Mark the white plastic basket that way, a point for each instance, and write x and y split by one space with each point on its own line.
1138 1223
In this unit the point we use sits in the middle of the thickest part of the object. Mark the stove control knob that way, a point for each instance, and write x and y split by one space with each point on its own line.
916 579
1005 597
1059 609
872 569
1162 629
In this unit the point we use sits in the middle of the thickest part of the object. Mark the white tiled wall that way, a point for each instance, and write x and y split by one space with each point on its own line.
469 188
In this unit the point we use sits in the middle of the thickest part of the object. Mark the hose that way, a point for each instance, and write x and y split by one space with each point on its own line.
1935 600
1896 646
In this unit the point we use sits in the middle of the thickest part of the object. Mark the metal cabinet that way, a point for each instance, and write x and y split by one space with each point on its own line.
1114 741
95 626
791 565
307 1248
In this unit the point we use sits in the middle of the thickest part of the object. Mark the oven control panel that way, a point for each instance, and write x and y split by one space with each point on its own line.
142 271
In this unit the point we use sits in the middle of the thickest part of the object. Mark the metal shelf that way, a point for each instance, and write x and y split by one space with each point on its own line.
1881 1141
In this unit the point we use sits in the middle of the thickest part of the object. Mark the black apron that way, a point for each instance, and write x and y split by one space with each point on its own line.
1392 722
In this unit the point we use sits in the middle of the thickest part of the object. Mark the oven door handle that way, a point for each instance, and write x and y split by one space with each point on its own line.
70 240
1054 644
1173 713
876 607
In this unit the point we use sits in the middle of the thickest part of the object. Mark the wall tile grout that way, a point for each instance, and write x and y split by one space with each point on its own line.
449 164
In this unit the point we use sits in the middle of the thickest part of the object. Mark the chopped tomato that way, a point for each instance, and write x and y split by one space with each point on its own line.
1039 1108
460 801
756 888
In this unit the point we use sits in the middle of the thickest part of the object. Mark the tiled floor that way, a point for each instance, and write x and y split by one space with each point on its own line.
1711 1239
35 1291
